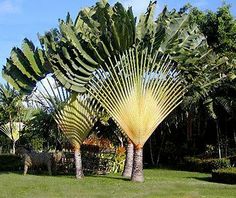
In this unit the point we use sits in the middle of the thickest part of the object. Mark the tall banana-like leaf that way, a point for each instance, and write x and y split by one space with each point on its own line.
99 32
139 91
25 67
78 48
171 33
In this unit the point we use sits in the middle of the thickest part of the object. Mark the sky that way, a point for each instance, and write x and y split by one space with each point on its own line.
27 18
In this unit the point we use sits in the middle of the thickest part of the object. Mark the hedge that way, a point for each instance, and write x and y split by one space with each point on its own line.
225 175
9 162
205 165
95 160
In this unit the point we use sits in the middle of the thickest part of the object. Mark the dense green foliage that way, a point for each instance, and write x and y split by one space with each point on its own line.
219 27
10 163
205 165
225 175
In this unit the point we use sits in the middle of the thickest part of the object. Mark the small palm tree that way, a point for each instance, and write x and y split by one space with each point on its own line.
11 105
75 115
12 130
138 91
76 120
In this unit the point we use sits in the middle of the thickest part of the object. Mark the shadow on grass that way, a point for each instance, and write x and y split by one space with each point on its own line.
10 172
206 179
111 177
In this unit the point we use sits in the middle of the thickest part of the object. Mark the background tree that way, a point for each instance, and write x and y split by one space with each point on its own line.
11 107
219 28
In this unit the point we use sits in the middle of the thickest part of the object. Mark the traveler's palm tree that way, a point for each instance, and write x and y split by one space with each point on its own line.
75 115
11 105
12 131
139 91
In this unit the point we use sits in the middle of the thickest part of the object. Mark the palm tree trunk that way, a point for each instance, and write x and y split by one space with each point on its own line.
78 164
137 174
129 160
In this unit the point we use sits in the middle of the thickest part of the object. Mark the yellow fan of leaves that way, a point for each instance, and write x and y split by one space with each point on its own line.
139 89
77 118
14 132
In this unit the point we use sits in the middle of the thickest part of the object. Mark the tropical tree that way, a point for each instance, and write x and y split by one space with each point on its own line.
74 114
11 106
12 131
138 91
76 120
41 131
219 27
76 50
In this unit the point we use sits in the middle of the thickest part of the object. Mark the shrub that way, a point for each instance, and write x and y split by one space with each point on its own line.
9 162
205 165
225 175
95 160
119 160
232 160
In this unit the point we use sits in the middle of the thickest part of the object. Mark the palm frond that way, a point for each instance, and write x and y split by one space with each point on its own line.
77 118
138 91
75 114
13 132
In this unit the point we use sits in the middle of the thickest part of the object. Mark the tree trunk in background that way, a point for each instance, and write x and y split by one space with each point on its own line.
13 147
218 138
235 138
137 174
160 150
150 150
78 164
129 160
189 126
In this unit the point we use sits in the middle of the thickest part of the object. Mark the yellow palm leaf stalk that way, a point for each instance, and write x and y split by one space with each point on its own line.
139 89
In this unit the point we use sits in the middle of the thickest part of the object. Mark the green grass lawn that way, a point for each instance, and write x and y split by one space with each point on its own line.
158 183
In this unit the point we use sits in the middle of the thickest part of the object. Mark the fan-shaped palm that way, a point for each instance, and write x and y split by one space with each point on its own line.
139 91
12 130
76 120
75 115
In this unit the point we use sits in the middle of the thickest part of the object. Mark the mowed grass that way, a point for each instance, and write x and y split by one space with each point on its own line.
158 183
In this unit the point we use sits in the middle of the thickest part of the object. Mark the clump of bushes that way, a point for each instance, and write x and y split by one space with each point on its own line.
225 175
9 162
205 165
95 160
